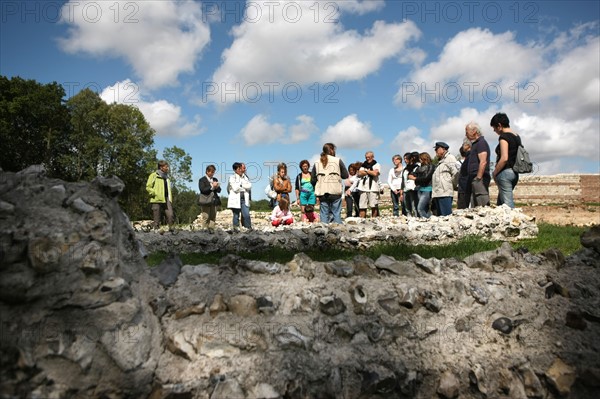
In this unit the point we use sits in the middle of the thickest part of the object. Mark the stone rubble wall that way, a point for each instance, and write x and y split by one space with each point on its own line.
554 189
82 316
494 223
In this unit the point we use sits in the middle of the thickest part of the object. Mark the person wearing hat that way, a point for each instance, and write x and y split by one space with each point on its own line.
442 187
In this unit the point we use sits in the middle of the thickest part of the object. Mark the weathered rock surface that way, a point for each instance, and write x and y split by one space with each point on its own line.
74 292
82 316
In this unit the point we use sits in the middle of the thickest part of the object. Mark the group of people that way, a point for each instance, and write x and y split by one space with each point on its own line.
419 188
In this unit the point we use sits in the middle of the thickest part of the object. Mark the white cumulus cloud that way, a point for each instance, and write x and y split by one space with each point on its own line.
304 49
350 132
159 39
260 131
164 117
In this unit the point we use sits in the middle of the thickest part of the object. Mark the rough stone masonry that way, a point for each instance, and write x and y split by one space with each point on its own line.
83 316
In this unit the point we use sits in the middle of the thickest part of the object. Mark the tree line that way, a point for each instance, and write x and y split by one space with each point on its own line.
83 137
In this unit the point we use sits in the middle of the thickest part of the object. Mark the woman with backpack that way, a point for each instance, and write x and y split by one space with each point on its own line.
506 153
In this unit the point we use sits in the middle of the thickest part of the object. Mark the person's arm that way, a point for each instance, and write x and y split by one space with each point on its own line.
297 185
150 184
235 183
274 213
313 176
287 186
503 157
390 178
343 170
482 164
286 216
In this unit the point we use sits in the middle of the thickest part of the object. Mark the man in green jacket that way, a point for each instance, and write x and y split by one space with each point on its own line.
161 194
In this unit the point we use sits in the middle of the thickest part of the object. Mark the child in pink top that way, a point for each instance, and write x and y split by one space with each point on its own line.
282 215
310 215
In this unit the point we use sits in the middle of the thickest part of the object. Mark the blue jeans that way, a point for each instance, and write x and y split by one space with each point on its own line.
395 202
423 205
245 211
331 210
444 206
506 182
411 200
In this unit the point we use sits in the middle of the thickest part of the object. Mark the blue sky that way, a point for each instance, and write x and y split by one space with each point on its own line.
269 82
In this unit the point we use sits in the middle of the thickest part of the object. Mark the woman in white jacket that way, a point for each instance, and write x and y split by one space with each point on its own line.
239 196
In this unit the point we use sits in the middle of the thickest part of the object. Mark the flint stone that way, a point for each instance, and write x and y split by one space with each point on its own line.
218 305
575 320
263 391
81 206
289 336
431 302
168 270
561 376
449 385
478 378
112 186
195 309
257 266
390 304
531 383
431 266
332 305
591 238
6 207
218 350
339 268
243 305
555 256
385 262
44 254
480 294
179 345
229 388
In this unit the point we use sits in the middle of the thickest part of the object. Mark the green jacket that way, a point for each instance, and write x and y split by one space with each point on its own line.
156 189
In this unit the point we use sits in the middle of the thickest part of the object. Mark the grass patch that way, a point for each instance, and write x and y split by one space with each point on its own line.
564 238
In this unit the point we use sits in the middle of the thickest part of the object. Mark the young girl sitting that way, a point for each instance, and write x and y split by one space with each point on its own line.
310 215
281 214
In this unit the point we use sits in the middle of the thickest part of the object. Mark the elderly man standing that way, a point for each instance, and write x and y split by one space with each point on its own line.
368 185
442 187
478 182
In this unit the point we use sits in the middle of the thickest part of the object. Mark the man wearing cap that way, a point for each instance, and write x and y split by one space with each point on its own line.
442 187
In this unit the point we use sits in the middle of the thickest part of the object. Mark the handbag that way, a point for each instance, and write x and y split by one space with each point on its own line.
270 192
204 199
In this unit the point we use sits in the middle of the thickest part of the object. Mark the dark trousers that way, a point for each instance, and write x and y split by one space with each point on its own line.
159 209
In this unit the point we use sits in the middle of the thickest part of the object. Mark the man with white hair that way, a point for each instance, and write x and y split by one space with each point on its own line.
478 182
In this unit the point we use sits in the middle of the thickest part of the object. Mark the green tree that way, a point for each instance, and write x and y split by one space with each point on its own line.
33 123
111 140
180 167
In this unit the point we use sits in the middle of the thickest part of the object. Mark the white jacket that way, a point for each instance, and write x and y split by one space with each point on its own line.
394 180
441 181
238 186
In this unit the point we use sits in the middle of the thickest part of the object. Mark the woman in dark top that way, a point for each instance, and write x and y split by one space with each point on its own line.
506 152
422 177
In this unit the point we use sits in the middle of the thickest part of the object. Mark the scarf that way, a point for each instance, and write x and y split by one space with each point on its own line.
163 175
369 166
